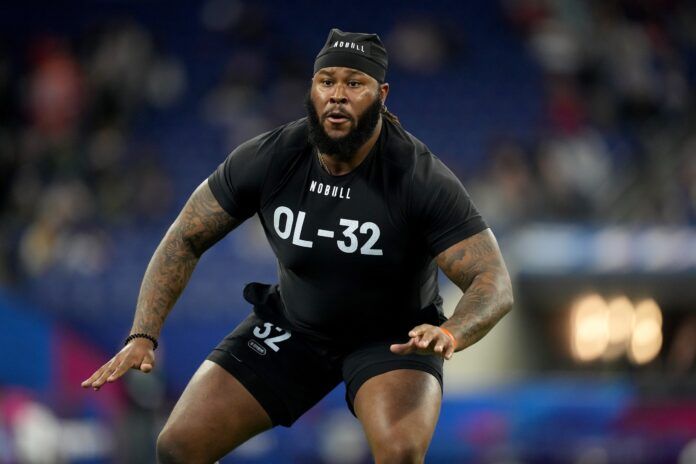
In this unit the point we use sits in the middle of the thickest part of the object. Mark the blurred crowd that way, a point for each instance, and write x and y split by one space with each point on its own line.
70 166
264 78
616 142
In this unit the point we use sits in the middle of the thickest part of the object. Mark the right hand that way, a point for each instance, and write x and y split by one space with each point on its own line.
137 354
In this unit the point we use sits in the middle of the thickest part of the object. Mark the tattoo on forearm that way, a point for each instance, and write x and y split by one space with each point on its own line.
201 223
476 266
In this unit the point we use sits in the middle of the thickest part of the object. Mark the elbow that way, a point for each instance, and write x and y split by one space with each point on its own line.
181 243
190 245
187 240
508 303
507 300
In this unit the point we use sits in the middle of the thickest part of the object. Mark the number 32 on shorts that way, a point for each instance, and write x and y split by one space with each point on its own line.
266 331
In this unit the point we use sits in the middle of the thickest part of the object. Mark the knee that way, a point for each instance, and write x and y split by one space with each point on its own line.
399 450
172 449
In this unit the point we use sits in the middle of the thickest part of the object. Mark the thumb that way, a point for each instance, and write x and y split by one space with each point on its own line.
147 365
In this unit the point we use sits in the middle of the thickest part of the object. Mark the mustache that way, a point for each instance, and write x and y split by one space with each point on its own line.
336 112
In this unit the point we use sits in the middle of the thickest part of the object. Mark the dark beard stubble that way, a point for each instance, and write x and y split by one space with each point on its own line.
342 148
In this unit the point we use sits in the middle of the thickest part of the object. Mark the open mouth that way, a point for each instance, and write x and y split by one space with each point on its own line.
337 118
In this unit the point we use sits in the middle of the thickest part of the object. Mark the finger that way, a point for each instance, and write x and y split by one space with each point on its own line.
100 380
440 346
148 364
105 374
426 340
418 330
120 370
450 351
88 383
403 348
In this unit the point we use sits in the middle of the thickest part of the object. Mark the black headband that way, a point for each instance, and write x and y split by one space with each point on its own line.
364 52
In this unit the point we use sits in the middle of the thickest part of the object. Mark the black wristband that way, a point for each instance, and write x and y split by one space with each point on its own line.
142 335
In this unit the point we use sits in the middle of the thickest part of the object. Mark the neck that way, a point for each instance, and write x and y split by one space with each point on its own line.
338 168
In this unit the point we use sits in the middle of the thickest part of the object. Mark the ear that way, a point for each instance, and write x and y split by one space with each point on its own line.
383 92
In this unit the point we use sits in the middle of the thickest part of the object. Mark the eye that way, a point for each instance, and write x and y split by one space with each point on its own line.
326 82
354 84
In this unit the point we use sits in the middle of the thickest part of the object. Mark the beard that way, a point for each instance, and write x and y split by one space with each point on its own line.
342 148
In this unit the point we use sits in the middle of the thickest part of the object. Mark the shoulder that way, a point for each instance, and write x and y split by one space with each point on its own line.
401 150
267 153
406 155
256 167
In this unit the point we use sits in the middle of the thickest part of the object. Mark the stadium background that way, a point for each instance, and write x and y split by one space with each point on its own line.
569 121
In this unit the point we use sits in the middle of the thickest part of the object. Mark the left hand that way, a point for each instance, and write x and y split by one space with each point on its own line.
426 339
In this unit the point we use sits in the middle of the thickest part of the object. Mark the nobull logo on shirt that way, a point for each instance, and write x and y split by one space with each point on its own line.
329 190
351 45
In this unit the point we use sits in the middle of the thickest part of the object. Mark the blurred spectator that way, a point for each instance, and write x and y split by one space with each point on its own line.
119 58
612 68
418 45
682 353
506 194
258 90
62 208
34 431
54 98
556 46
576 173
566 109
70 170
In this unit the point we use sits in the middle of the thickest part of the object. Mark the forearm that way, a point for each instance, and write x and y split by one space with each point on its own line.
476 266
166 277
483 304
201 224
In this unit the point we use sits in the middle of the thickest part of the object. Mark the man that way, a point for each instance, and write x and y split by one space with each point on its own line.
358 213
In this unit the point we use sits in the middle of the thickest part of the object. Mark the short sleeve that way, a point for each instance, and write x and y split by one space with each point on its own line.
238 182
440 205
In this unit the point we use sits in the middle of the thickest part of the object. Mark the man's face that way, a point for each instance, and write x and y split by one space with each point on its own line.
340 96
343 108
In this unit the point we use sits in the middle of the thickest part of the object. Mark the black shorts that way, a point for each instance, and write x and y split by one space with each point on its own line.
289 372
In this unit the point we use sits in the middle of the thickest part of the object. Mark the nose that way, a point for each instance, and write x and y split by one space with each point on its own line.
338 96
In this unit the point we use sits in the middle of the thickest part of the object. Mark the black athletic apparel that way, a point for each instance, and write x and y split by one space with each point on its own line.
288 372
355 252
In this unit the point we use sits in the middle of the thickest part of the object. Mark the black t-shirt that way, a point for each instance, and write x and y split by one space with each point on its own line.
355 252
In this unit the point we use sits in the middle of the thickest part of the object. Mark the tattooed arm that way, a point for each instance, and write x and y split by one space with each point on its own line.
200 224
476 266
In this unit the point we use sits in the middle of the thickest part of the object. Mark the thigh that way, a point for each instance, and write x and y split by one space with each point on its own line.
283 370
396 398
399 410
374 359
214 415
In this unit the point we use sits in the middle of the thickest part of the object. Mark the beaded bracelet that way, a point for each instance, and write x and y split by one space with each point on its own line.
142 335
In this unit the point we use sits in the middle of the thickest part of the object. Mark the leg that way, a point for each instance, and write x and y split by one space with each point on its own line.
398 410
214 415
